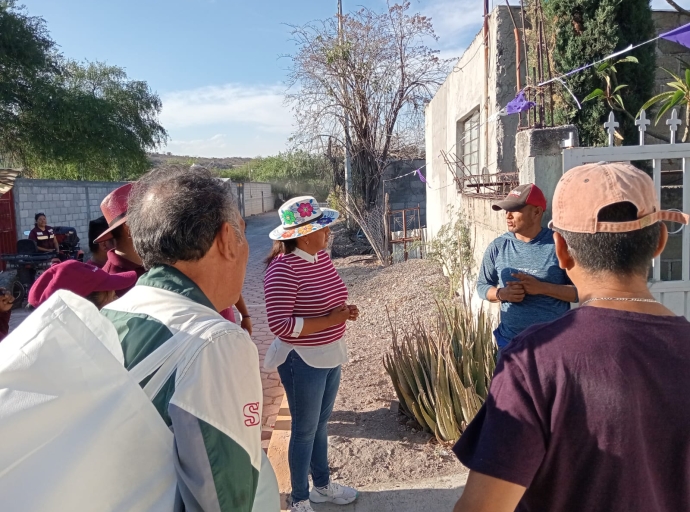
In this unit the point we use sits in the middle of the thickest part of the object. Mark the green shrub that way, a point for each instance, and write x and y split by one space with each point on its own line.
453 249
441 375
586 31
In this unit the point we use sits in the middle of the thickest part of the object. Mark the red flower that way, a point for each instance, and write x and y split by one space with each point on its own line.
305 210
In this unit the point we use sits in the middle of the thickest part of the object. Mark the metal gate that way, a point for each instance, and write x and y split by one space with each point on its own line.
670 168
8 227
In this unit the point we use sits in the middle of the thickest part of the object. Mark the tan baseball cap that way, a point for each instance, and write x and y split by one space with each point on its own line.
584 190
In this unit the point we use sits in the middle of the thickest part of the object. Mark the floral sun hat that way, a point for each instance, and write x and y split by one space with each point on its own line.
301 216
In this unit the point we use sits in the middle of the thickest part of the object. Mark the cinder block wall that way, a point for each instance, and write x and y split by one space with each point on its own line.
65 203
258 198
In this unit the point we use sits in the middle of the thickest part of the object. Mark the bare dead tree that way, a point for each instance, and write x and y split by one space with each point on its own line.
390 74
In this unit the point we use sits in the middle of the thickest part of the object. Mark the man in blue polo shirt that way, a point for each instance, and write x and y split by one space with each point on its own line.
520 269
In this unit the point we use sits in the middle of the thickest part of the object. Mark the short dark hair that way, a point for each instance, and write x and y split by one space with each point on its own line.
176 212
96 228
38 215
627 253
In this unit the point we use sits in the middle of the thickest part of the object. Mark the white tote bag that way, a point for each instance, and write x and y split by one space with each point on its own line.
77 432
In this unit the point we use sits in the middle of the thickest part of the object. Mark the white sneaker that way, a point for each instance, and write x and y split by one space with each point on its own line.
302 506
333 493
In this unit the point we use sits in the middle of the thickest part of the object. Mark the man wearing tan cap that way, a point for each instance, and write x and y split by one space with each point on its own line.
591 411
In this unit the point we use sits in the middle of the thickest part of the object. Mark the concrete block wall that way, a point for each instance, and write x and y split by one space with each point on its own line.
258 198
65 203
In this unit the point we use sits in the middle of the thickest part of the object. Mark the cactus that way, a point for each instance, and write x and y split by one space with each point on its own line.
441 373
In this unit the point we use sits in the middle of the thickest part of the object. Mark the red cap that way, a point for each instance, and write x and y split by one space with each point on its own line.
79 278
521 197
114 208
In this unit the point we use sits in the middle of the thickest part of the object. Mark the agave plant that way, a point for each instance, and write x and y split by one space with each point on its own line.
441 375
678 96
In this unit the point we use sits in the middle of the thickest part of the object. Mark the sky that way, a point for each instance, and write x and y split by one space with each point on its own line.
219 66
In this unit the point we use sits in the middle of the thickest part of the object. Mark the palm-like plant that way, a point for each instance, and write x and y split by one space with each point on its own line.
678 96
611 92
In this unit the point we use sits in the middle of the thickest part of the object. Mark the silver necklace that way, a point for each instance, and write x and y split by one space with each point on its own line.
619 299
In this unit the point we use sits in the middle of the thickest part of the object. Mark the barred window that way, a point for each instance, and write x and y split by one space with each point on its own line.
468 144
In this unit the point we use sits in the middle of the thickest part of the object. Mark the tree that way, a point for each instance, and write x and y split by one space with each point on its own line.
59 118
380 74
677 96
292 173
588 30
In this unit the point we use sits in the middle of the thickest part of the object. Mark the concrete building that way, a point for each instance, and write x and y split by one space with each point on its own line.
465 136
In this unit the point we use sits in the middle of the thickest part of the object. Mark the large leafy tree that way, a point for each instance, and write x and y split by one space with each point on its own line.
588 30
61 119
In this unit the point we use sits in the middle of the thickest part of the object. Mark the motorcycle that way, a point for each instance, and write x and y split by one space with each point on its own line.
30 263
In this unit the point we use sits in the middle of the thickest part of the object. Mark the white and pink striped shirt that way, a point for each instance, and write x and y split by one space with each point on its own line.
297 288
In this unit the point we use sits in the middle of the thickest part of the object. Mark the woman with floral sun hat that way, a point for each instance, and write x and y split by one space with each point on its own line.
307 310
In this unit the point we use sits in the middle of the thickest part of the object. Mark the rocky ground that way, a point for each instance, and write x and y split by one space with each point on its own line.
370 443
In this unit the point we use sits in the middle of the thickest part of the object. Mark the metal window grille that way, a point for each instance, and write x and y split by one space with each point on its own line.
469 144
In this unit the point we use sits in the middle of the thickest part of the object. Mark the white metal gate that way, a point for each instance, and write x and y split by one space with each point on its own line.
672 287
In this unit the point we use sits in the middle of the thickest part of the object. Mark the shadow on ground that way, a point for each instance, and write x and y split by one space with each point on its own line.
377 424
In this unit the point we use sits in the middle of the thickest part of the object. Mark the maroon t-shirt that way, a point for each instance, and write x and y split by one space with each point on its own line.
117 264
591 413
44 238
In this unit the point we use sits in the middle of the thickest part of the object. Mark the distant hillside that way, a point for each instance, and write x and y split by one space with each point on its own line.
158 159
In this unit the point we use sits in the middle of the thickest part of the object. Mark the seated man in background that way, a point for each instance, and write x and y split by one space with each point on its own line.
520 269
590 412
99 251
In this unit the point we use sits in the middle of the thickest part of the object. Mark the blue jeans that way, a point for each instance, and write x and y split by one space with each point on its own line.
311 394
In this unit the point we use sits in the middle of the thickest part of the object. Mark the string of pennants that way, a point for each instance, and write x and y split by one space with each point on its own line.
680 35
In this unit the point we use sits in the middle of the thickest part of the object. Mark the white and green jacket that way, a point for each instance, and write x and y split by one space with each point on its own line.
214 401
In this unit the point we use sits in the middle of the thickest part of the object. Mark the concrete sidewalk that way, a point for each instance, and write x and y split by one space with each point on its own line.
258 228
437 495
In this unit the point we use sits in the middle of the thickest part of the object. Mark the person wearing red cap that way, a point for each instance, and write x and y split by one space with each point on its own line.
520 269
591 412
123 257
82 279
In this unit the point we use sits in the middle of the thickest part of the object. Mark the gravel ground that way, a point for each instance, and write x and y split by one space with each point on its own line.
370 444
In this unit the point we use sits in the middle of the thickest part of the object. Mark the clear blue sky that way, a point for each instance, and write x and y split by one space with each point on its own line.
216 63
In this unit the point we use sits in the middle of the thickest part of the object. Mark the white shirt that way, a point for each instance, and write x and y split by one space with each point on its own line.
323 356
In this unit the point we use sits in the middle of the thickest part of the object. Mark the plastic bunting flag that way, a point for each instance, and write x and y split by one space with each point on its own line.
680 35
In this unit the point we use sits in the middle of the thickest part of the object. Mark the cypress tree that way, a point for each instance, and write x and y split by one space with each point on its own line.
588 30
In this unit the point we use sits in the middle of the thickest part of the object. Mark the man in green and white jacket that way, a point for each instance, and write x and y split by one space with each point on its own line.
189 234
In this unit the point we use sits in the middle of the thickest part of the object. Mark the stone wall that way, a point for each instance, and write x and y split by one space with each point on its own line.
408 191
65 203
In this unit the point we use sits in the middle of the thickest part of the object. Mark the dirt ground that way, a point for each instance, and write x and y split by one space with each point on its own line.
369 443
